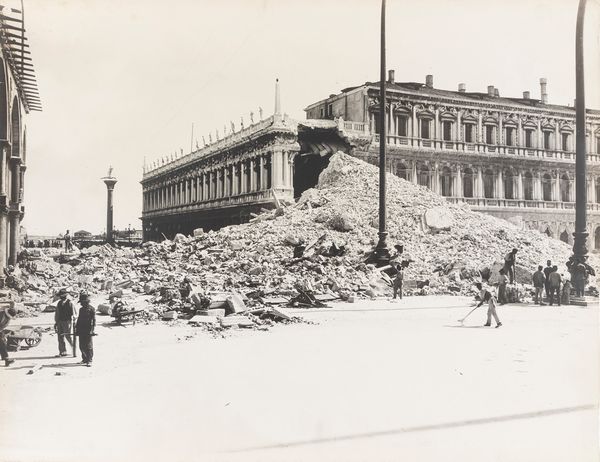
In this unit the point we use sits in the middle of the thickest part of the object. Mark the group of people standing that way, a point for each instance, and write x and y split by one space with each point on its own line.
85 325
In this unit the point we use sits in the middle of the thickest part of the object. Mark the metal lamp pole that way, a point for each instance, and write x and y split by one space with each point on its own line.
381 253
580 235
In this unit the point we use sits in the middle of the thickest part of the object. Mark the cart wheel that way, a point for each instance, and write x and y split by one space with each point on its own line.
34 340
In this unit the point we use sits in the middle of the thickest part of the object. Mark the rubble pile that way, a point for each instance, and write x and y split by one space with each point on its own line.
305 254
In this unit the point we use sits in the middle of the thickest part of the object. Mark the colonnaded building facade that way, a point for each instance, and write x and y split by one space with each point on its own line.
509 157
18 96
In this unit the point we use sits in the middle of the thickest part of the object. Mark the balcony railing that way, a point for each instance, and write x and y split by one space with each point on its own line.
218 203
496 150
519 203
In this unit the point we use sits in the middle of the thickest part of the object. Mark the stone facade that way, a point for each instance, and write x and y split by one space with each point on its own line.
222 183
509 157
18 97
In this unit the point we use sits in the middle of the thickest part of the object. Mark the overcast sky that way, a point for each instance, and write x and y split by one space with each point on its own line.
124 80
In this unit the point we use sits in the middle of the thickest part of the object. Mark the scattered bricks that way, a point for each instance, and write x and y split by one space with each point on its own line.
235 304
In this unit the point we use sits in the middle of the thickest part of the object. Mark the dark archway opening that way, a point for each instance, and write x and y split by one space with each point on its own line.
564 236
317 144
597 239
307 168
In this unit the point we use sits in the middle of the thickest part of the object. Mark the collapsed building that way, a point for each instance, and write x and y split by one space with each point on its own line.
18 97
512 158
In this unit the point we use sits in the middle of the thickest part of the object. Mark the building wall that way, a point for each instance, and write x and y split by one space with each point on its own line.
501 169
12 165
223 183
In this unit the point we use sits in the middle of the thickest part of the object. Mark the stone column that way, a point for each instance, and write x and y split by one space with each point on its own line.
414 173
540 135
557 139
557 187
458 130
3 243
414 123
519 141
520 186
500 137
592 196
263 173
392 124
500 183
458 181
276 169
480 128
436 134
14 224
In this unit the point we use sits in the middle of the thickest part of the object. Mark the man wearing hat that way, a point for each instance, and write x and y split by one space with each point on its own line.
5 316
84 329
63 318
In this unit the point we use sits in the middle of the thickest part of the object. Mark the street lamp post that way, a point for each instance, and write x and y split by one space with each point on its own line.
381 253
580 235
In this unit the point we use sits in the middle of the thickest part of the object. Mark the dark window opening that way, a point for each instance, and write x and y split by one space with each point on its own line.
489 134
469 133
547 188
510 136
546 140
565 141
446 182
425 123
402 126
447 127
468 183
528 138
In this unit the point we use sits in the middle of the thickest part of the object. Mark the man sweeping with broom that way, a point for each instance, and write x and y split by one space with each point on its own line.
486 296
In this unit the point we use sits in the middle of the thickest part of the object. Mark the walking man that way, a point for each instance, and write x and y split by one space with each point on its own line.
539 281
510 260
84 329
486 296
63 318
554 281
547 270
398 280
502 287
5 317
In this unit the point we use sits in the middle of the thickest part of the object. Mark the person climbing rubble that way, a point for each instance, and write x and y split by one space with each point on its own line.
185 288
68 242
6 316
510 260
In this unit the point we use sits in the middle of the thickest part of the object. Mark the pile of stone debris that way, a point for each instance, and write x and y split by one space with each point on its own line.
305 254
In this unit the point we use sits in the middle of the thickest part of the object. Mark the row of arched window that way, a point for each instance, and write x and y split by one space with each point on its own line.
510 183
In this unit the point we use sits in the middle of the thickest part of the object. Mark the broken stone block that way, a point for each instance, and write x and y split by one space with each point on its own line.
199 319
241 321
104 308
217 312
198 232
169 315
438 219
235 304
179 238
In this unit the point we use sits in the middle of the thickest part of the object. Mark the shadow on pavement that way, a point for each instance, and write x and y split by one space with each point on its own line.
422 428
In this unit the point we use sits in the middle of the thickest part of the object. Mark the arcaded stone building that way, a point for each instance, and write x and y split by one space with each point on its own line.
513 158
18 96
